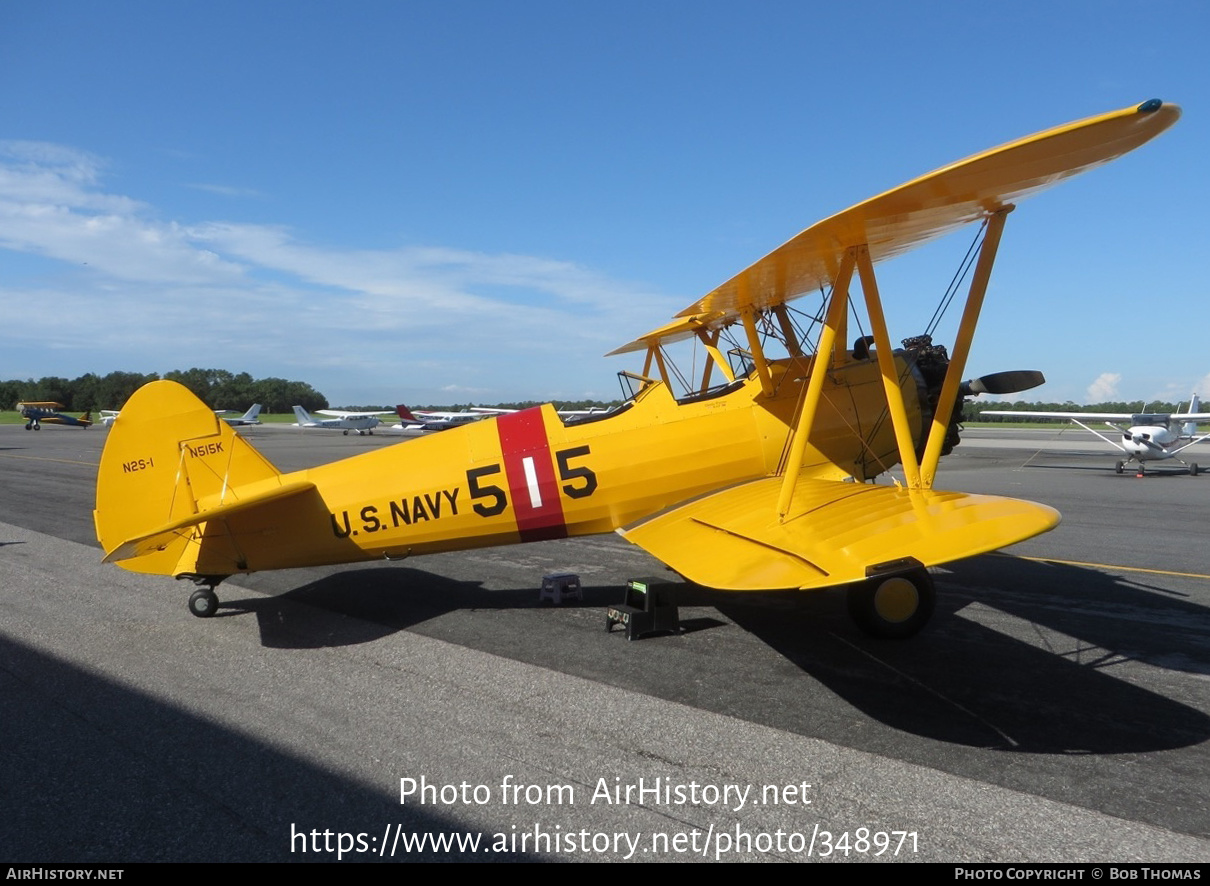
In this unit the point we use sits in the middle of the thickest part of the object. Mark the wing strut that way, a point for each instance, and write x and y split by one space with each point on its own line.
748 315
710 341
886 366
962 346
787 330
837 312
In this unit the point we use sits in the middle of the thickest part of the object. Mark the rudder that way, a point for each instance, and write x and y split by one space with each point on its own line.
170 458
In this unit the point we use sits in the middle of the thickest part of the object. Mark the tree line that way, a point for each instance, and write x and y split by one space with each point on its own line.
217 388
973 409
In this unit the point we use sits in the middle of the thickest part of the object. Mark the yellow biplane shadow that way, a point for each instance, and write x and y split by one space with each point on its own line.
766 659
755 476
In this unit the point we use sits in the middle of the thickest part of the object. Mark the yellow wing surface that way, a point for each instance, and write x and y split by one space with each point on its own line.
922 210
837 533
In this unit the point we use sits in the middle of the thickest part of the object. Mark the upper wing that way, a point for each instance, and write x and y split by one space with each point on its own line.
835 534
925 209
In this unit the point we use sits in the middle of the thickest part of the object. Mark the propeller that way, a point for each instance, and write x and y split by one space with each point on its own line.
1009 382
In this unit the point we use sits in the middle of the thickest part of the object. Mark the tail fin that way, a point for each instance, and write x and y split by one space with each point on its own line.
251 414
404 413
168 467
1190 428
304 417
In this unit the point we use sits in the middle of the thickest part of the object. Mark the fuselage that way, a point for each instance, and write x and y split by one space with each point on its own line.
530 475
1150 442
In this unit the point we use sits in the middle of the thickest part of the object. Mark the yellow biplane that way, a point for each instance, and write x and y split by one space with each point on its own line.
39 412
759 481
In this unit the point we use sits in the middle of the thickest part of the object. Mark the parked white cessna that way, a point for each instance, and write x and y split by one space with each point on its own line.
1149 436
361 422
109 416
248 418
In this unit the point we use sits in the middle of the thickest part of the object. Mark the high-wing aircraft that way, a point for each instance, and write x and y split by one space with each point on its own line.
37 412
1145 436
109 416
759 481
361 422
248 418
421 422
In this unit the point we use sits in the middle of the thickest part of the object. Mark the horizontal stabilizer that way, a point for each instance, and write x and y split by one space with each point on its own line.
160 537
835 533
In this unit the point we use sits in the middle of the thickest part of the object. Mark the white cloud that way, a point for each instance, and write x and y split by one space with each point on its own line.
136 289
225 190
1104 388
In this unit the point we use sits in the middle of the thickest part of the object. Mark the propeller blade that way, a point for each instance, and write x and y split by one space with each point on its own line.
1009 382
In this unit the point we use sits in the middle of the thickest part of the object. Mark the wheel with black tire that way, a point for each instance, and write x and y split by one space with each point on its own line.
203 603
893 607
1119 467
1193 469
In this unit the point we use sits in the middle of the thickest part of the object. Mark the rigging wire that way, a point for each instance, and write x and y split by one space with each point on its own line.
959 278
960 274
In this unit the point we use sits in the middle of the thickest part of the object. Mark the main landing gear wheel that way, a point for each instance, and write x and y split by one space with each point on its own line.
893 607
203 603
1119 467
1193 469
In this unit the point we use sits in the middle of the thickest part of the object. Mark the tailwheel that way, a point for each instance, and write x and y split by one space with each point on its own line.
893 607
203 602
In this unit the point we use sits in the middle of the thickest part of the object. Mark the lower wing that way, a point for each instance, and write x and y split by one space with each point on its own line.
835 533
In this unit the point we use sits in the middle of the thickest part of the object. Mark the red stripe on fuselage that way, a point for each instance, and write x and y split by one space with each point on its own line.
532 485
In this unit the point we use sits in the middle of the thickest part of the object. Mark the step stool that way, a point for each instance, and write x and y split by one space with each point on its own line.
560 586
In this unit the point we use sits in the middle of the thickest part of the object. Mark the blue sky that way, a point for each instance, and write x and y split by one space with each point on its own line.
473 201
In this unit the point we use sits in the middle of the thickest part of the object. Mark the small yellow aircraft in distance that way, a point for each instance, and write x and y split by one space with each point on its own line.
757 482
37 412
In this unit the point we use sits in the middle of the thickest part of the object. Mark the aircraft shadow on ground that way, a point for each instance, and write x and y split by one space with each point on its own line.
1052 689
377 602
106 772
